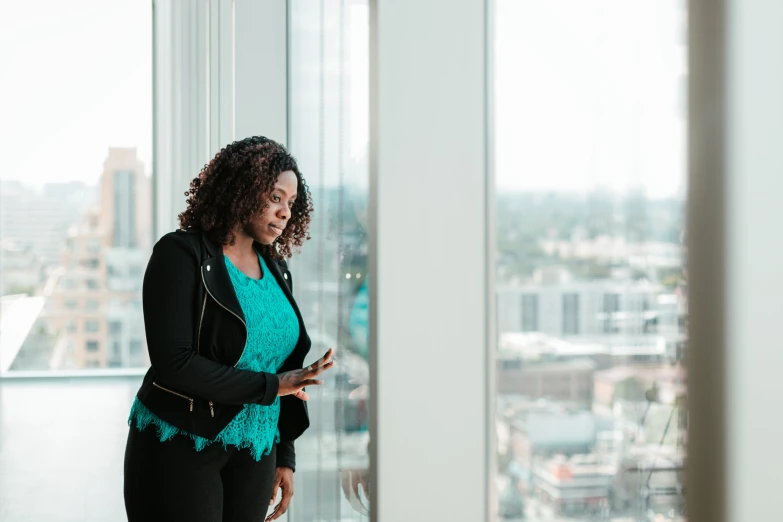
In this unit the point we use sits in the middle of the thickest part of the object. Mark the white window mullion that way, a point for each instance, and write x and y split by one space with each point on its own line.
181 118
429 260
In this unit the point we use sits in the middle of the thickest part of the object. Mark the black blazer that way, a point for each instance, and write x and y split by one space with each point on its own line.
196 334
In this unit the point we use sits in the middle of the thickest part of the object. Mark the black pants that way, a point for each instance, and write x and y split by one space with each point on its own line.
172 482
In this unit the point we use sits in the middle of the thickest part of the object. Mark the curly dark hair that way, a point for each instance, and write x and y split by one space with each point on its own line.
235 186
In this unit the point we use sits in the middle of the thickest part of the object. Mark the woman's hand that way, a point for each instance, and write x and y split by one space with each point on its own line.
291 383
284 479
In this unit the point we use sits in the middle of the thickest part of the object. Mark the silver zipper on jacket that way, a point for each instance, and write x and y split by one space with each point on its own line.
200 322
177 394
227 310
204 281
198 345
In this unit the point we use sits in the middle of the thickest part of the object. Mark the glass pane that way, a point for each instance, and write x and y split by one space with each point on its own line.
329 135
75 203
590 122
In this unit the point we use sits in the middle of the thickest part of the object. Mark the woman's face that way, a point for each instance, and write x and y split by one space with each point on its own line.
266 227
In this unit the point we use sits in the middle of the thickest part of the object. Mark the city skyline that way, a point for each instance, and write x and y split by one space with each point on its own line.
92 315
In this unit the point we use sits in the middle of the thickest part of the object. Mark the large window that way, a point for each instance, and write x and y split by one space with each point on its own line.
329 135
590 164
75 204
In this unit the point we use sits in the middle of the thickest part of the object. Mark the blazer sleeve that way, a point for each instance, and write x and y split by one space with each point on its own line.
168 294
286 455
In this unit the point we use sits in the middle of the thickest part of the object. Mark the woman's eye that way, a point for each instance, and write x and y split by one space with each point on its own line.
291 205
275 198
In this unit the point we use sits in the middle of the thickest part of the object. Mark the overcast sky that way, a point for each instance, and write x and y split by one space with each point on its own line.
76 78
587 93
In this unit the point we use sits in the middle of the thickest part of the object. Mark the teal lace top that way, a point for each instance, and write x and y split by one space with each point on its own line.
273 331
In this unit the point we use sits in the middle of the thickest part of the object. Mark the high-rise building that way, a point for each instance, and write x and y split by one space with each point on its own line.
125 202
95 302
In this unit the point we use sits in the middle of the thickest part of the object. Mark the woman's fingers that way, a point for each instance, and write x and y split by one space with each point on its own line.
301 394
318 370
284 502
311 382
274 491
321 365
325 367
326 359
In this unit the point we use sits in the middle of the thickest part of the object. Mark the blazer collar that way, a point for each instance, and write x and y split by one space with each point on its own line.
282 277
214 248
217 281
214 275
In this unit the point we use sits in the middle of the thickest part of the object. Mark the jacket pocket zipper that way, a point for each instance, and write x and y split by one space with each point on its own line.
180 395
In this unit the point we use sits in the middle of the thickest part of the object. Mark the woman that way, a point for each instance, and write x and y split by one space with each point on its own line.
213 424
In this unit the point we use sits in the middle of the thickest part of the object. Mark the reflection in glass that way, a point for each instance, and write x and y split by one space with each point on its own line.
590 169
329 135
